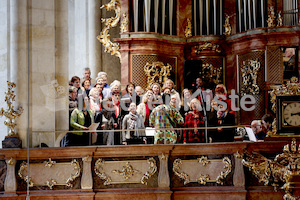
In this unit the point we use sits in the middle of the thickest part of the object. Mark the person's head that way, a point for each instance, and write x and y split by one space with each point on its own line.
130 88
222 86
289 52
99 87
169 84
195 105
75 81
267 120
220 93
104 76
173 101
99 80
87 73
94 93
222 106
139 90
256 126
85 102
166 90
148 96
185 95
107 103
132 107
115 86
116 96
199 82
155 87
73 92
86 84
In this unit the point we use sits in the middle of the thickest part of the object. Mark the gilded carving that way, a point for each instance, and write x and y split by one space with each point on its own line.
209 72
127 171
271 18
227 26
188 29
279 19
157 72
182 169
124 23
278 172
203 160
249 71
104 36
52 173
207 46
10 113
11 161
131 171
49 163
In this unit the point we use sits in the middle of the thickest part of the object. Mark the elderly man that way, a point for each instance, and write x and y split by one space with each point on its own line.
258 129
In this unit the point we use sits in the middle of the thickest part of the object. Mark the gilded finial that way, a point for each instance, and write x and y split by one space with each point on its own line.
188 29
10 113
227 26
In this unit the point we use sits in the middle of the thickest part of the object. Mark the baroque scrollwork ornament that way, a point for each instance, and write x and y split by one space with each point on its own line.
124 23
104 36
271 18
207 46
127 172
249 71
10 113
188 29
227 26
202 178
157 72
210 72
282 172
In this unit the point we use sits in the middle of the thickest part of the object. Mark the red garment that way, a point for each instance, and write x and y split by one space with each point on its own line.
117 109
146 123
193 121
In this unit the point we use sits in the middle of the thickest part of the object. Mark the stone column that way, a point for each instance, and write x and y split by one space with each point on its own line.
94 29
87 179
10 184
17 61
163 176
61 64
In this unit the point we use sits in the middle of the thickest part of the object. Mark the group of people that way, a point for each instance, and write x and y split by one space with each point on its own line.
176 118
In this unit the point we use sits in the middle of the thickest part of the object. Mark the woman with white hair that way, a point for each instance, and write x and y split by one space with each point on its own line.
193 121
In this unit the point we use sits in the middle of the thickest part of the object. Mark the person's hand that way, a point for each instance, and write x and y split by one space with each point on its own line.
184 142
124 143
103 126
85 128
220 129
115 125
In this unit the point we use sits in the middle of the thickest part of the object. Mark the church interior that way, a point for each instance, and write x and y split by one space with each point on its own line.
250 47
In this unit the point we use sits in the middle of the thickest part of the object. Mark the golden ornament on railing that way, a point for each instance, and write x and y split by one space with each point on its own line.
104 36
10 113
283 171
157 72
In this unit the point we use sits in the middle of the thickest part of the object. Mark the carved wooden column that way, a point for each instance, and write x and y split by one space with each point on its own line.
163 176
10 184
87 179
238 175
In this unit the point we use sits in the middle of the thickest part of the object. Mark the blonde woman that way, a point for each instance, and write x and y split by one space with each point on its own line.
145 107
186 97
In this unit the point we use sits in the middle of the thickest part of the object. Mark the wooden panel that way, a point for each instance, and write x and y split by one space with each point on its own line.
274 65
